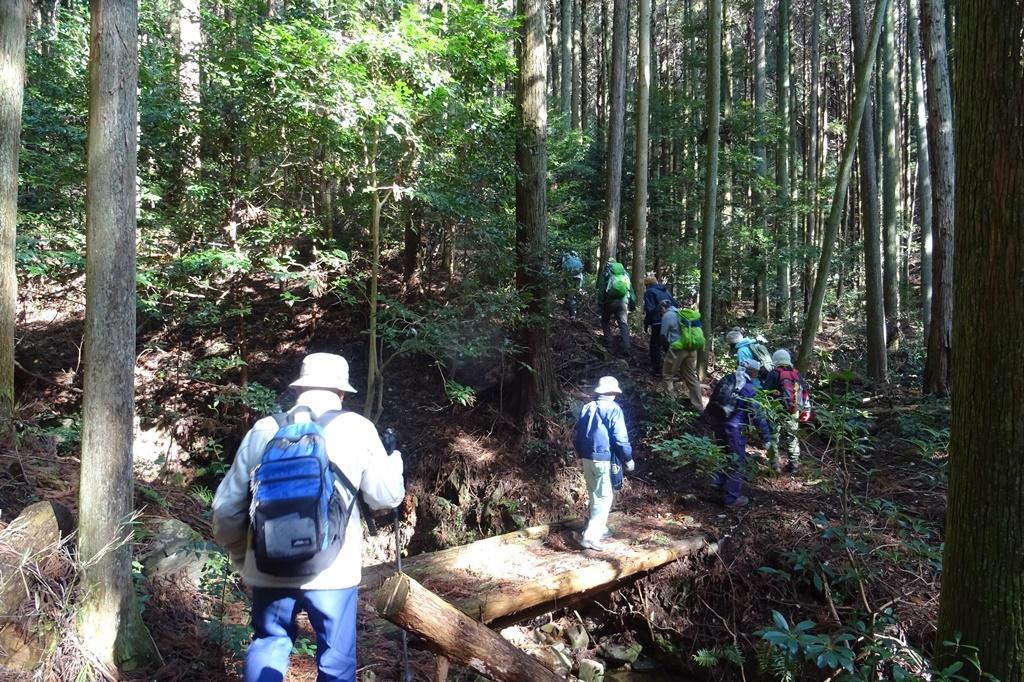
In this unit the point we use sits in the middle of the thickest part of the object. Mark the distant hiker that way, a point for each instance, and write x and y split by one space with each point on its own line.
683 336
732 407
786 384
299 549
655 294
572 274
616 298
602 443
750 349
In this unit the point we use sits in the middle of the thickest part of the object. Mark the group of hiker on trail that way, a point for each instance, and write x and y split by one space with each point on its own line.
601 439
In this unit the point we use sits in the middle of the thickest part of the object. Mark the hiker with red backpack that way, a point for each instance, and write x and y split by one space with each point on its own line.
287 514
786 384
733 406
616 298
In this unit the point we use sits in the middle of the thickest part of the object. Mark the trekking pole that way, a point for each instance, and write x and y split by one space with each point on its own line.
390 441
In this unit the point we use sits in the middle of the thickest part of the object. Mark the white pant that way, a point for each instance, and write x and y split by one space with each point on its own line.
599 490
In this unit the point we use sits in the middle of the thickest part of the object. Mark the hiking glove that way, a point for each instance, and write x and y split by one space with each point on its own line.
630 465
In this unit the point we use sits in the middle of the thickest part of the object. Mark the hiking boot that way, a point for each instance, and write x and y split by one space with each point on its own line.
793 467
741 501
593 545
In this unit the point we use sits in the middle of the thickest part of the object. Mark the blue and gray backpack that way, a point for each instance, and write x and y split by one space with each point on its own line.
301 502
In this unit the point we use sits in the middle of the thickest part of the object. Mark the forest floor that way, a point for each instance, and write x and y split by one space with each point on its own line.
854 537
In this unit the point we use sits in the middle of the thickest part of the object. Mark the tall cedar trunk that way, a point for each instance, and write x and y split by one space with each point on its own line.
890 189
585 102
554 51
189 43
761 152
858 117
374 379
108 617
565 68
643 108
940 146
983 565
411 252
812 151
924 171
534 378
714 95
616 121
13 22
576 84
782 164
870 228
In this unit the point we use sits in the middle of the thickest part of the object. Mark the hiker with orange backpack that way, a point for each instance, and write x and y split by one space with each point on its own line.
786 384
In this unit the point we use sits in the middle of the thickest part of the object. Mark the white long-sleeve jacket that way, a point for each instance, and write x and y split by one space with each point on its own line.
354 446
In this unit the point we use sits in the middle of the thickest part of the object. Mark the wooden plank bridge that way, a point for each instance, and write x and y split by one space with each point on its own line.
445 596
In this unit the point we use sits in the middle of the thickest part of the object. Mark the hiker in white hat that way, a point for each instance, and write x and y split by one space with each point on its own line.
602 443
328 590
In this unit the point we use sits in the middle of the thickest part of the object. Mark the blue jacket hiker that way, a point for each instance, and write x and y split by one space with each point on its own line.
745 349
601 441
329 596
732 407
654 294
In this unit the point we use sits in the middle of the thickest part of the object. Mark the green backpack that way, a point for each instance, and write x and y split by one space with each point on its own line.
691 331
618 281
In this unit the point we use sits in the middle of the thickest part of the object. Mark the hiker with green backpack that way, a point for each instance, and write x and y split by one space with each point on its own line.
683 334
616 298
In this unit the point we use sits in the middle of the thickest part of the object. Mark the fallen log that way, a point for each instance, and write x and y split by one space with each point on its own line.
32 536
509 574
452 634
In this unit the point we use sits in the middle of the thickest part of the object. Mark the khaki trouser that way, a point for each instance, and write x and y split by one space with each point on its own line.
682 364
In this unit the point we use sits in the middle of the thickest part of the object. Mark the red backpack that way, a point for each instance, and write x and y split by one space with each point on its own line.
794 392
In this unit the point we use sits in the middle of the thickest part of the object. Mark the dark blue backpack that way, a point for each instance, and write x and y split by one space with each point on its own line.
300 502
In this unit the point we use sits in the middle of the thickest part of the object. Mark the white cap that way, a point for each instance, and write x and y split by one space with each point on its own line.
781 357
324 370
607 385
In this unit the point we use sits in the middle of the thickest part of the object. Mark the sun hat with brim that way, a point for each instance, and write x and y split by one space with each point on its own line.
606 385
324 370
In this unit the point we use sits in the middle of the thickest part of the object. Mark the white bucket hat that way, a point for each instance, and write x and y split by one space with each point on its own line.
781 357
324 370
607 385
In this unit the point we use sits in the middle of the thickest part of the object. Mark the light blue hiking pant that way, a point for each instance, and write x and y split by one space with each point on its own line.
599 490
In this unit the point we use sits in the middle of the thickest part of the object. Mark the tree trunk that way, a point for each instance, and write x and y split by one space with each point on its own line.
890 188
983 567
811 240
565 68
761 152
13 22
924 171
585 95
643 108
576 81
534 379
858 117
189 43
782 164
455 635
616 121
109 620
374 379
714 96
941 152
870 229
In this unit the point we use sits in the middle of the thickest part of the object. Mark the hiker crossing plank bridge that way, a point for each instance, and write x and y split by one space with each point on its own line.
511 577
